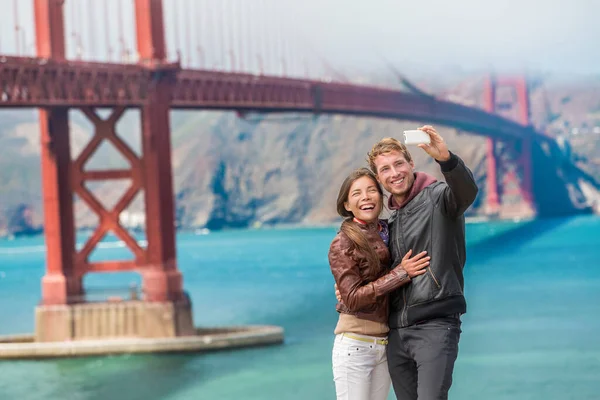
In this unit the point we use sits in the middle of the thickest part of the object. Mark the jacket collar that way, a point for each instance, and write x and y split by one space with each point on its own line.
422 180
363 225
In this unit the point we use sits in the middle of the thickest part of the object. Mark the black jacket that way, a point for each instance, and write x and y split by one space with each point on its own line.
433 221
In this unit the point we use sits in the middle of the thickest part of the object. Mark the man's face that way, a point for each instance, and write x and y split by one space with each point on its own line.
395 173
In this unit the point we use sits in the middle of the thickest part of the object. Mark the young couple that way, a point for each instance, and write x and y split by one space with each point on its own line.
400 282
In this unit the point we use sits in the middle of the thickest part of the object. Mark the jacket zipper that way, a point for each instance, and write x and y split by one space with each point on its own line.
437 283
403 315
433 277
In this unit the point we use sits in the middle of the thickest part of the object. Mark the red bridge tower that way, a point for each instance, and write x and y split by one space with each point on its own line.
165 310
509 162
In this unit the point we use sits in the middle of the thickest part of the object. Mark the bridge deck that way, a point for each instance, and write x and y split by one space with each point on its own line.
35 82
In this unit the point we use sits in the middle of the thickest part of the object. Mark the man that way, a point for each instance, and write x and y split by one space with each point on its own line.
427 216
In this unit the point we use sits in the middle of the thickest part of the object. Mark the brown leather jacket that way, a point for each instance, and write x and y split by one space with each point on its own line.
367 300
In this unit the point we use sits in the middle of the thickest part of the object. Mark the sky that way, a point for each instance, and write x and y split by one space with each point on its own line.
551 35
534 35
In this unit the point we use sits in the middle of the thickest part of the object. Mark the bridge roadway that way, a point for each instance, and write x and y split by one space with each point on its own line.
33 82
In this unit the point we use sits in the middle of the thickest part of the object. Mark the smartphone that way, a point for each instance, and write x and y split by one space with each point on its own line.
416 137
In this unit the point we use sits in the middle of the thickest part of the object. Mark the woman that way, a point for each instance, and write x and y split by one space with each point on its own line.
360 263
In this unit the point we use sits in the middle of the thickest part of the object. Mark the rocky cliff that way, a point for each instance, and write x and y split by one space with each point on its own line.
283 169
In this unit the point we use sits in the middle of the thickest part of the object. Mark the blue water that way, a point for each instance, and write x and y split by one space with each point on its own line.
532 330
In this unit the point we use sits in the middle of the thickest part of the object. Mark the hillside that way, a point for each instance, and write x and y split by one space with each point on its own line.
277 169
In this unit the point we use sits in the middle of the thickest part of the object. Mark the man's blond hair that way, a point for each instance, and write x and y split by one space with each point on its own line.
384 146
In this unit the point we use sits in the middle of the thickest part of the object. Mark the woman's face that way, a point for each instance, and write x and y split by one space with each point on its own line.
364 200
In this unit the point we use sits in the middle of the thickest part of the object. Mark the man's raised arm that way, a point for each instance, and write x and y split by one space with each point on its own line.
462 189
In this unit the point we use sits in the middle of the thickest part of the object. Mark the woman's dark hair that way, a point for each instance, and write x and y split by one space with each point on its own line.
352 230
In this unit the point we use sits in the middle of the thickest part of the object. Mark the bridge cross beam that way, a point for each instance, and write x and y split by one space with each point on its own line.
106 130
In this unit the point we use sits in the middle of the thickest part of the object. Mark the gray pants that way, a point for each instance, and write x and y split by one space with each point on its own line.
421 358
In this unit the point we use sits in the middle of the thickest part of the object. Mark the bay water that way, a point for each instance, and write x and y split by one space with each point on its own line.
532 330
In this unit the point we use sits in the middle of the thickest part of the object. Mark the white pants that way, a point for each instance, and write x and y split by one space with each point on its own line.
360 370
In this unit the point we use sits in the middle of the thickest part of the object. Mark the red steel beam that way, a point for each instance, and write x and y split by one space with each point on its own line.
49 29
524 118
61 283
489 105
111 266
162 280
150 31
37 82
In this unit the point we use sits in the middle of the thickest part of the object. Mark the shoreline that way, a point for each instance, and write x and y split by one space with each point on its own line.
475 219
